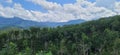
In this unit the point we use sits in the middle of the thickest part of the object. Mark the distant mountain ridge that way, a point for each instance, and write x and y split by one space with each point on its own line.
18 22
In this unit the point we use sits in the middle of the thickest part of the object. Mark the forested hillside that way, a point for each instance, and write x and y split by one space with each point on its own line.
98 37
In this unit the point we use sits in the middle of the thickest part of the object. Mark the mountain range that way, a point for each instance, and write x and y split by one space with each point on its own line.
18 22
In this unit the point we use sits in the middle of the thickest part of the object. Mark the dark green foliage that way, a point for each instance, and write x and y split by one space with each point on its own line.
98 37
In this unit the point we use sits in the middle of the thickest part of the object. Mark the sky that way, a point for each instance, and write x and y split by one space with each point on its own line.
59 10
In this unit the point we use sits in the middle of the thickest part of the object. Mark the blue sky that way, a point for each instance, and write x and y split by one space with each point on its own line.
30 6
59 10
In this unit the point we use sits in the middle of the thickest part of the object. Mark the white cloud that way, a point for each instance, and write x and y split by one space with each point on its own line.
117 8
16 11
47 5
82 9
4 11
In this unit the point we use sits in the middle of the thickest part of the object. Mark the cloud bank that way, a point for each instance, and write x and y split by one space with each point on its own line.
82 9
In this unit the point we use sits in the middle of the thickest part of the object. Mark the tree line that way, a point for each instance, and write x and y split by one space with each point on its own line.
97 37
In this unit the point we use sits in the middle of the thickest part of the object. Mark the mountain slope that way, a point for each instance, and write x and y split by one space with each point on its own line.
17 22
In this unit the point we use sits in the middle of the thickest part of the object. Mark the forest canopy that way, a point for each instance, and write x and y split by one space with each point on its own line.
97 37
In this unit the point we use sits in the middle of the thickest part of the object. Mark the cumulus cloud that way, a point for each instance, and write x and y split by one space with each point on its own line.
16 11
82 9
46 4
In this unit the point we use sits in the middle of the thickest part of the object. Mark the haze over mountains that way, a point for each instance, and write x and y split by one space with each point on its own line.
18 22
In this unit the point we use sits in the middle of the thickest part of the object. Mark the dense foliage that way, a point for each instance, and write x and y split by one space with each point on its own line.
98 37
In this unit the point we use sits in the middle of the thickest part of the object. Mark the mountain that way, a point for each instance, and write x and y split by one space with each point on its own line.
54 24
18 22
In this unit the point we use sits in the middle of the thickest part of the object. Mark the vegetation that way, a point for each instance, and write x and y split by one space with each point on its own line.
98 37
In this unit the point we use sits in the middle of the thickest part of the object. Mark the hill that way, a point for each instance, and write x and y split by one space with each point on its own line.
97 37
